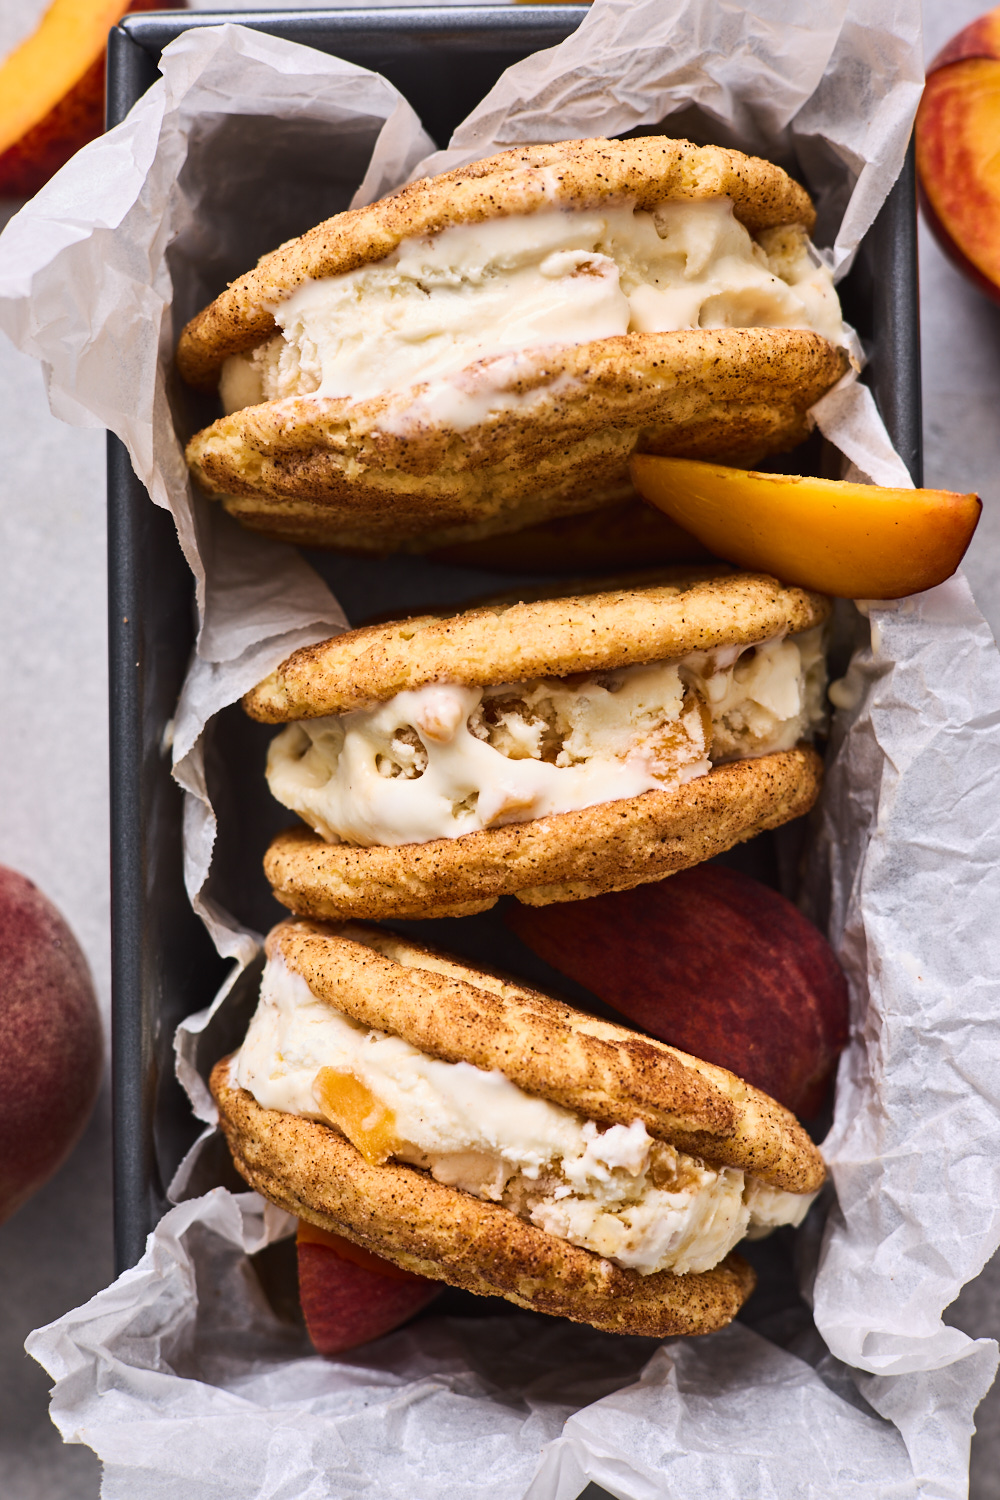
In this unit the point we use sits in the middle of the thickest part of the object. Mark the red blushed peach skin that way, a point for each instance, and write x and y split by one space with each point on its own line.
51 1048
350 1296
311 1234
718 966
855 541
958 163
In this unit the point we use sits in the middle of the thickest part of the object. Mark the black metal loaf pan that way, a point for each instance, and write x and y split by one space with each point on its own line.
164 966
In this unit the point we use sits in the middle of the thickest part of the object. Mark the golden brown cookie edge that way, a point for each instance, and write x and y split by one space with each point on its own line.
406 1217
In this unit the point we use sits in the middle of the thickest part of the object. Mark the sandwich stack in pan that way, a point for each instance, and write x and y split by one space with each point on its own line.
467 362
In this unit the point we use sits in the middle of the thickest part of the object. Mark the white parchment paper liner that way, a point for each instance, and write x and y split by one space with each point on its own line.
906 863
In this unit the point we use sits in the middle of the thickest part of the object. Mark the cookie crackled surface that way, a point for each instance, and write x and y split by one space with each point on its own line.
549 749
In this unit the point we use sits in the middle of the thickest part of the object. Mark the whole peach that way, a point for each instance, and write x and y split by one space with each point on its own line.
51 1051
958 165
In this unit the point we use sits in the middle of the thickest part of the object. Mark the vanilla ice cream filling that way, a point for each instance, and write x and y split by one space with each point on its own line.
439 303
444 760
632 1199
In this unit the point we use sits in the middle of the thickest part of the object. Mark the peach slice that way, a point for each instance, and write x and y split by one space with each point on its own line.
714 963
347 1103
52 90
958 157
856 541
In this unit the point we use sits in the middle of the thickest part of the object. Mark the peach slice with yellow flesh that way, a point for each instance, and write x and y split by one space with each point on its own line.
52 90
957 137
856 541
350 1105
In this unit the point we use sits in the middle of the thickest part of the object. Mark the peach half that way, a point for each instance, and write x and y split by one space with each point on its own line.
958 151
856 541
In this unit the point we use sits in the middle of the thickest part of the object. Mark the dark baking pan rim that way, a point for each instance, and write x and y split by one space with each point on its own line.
162 959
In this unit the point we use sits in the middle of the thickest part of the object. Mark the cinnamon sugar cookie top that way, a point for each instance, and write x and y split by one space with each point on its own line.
542 638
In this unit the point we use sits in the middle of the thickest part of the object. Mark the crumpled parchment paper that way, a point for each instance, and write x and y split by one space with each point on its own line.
517 1405
179 1375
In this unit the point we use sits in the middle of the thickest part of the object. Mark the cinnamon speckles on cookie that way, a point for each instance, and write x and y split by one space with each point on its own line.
484 350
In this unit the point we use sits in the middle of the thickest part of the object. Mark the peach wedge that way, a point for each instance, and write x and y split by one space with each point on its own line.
856 541
52 90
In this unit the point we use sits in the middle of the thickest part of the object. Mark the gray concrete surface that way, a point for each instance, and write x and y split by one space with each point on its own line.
961 376
53 796
57 1251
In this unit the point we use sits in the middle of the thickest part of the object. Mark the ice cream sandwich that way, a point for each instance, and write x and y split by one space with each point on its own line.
483 350
480 1133
551 749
